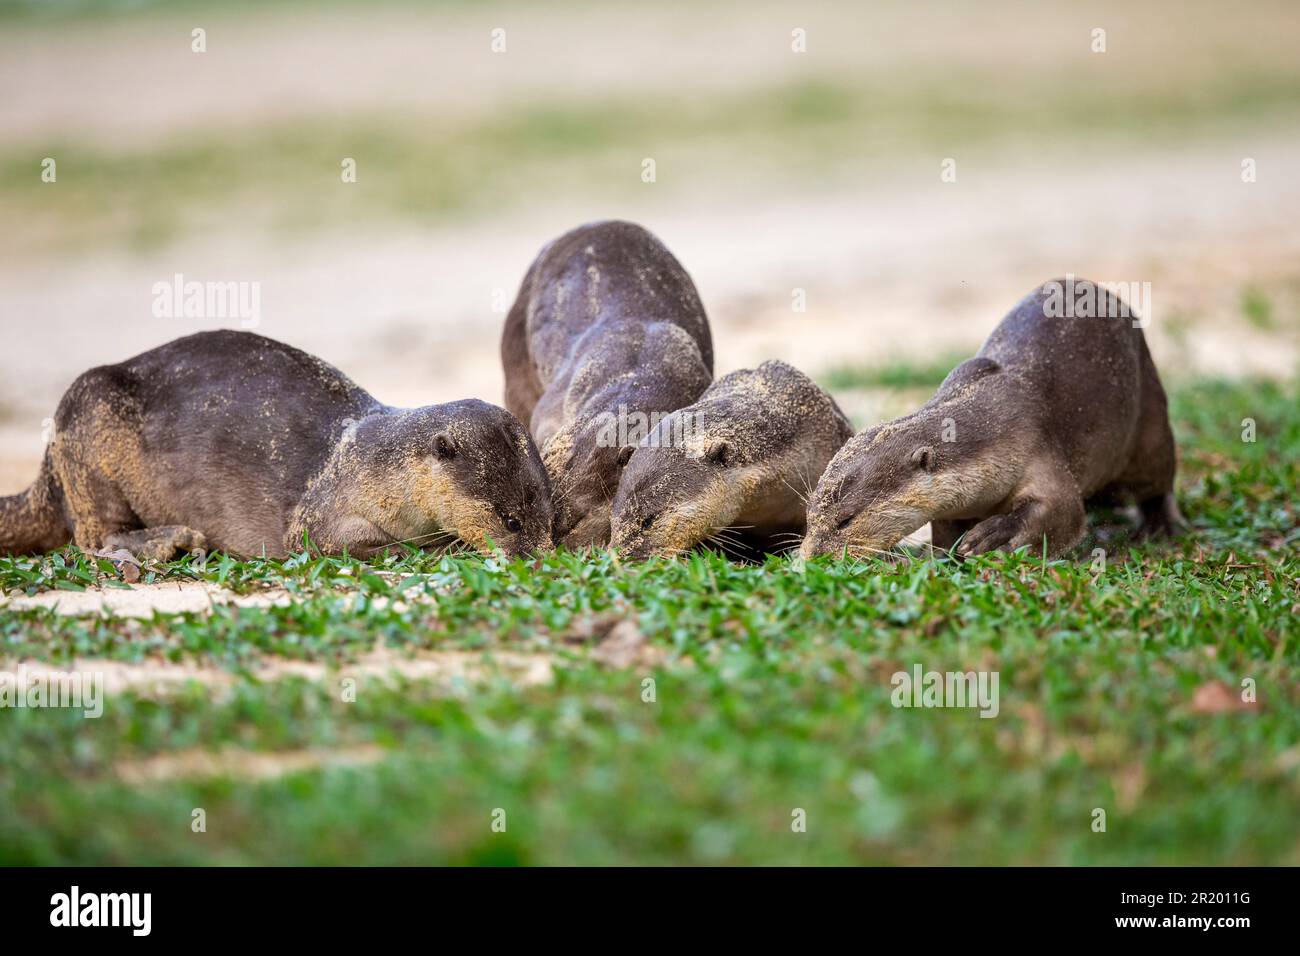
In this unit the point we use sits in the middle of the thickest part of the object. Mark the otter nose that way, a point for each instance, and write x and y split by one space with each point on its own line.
638 553
562 526
815 544
591 531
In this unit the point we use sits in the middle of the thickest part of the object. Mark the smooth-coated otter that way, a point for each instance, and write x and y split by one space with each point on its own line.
1055 412
744 457
607 327
231 441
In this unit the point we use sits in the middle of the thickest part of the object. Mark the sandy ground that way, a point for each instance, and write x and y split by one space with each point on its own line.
447 669
132 79
234 763
177 597
141 601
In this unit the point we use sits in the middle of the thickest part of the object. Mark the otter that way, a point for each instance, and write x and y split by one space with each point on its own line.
234 442
606 327
1054 414
743 457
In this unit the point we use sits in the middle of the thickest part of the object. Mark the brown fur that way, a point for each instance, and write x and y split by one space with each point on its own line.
733 469
606 321
232 441
1053 414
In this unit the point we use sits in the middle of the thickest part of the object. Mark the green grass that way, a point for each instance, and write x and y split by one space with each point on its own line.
896 373
1257 308
774 694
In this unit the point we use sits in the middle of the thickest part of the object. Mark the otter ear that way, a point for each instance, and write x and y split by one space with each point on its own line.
923 458
971 371
718 452
443 447
624 454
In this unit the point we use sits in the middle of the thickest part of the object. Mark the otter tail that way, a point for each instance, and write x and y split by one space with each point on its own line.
32 522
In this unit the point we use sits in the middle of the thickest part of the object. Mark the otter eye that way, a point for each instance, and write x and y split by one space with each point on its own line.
845 523
646 522
513 525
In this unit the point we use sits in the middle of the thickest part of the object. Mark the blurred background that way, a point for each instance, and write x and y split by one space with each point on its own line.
776 170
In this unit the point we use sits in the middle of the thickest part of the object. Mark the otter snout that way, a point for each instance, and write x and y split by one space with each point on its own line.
632 543
810 547
824 542
590 530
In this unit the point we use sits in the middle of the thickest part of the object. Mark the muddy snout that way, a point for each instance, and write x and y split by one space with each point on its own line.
632 549
588 531
814 544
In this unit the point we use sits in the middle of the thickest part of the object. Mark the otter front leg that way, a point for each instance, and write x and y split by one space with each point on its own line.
1161 518
157 544
1048 506
944 534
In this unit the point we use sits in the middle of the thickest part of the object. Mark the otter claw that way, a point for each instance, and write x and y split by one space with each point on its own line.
157 544
991 534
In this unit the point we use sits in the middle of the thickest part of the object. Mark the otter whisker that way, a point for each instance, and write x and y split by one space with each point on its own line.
788 539
797 493
719 534
381 548
855 549
807 482
425 538
723 546
732 532
783 542
733 536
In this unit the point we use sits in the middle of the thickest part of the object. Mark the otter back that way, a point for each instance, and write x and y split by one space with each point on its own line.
607 322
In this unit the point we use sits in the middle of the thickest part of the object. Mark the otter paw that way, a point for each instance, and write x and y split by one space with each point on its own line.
1161 519
157 544
992 534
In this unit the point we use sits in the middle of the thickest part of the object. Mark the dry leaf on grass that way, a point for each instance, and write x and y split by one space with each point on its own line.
625 646
1216 697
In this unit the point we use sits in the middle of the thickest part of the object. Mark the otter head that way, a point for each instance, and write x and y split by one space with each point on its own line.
878 489
675 494
584 468
428 476
890 480
487 482
948 460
